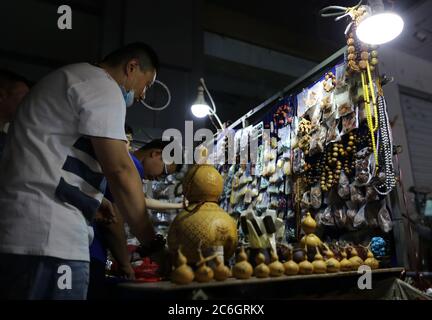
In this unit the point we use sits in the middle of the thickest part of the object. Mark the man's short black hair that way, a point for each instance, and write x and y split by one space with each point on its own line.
159 144
155 144
147 57
7 77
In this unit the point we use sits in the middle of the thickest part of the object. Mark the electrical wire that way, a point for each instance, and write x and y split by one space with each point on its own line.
168 100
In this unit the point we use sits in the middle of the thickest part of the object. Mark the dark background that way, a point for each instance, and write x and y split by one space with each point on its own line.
245 50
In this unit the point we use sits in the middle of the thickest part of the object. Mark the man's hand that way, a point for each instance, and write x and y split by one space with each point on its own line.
105 213
126 272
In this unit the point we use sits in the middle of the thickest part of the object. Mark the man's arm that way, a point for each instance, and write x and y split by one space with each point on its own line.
160 205
125 186
115 237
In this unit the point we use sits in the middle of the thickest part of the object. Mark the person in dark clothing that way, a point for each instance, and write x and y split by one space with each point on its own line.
111 236
13 89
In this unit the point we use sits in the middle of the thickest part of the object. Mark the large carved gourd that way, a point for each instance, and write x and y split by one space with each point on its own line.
203 223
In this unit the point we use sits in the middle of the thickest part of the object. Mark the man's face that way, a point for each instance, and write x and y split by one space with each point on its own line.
10 98
139 80
154 166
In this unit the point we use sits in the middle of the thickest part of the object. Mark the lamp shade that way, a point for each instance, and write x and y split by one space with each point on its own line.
380 28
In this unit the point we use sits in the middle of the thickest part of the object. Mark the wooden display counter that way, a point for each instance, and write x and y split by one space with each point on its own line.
341 285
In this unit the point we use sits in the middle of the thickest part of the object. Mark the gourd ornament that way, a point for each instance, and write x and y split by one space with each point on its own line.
204 273
345 264
261 269
333 265
371 261
203 221
276 267
182 274
310 240
221 271
305 267
355 259
242 269
309 224
291 268
319 266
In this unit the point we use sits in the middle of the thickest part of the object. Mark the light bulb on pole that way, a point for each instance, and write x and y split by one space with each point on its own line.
200 108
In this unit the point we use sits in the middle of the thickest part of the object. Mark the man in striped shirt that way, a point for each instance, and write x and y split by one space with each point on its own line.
68 135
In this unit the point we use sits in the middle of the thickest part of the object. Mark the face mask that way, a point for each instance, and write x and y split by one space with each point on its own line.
128 96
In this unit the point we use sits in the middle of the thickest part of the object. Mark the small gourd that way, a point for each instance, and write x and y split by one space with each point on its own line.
221 271
261 269
355 259
309 224
311 240
204 273
345 264
319 266
305 267
242 269
333 265
183 274
276 267
371 261
291 267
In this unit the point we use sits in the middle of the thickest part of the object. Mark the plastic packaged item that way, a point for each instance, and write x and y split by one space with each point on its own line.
313 96
248 195
356 194
343 187
242 191
273 189
274 202
340 217
371 194
333 134
314 114
289 214
318 139
384 219
288 188
263 201
316 196
287 168
327 218
350 122
340 75
278 176
360 218
264 183
259 161
351 213
361 112
284 144
301 103
305 201
237 138
299 162
343 101
327 105
270 168
363 173
318 218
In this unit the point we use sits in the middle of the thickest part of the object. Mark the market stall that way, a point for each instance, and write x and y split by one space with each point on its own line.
292 194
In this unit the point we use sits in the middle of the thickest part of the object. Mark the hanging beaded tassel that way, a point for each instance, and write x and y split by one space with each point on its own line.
386 177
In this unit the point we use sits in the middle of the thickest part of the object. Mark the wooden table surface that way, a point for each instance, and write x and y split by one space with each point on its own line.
319 281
